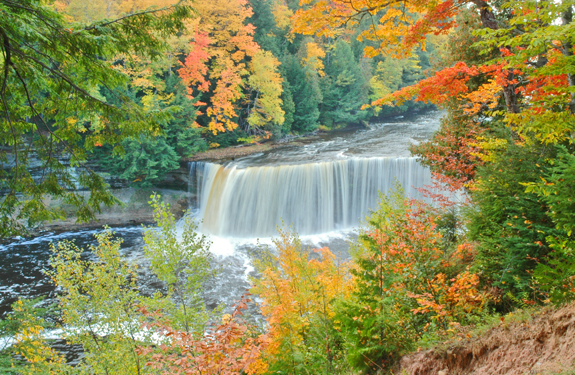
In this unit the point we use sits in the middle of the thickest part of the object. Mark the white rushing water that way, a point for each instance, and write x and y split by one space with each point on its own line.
315 197
324 185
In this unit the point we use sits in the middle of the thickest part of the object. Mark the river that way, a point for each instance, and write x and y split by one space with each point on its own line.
323 187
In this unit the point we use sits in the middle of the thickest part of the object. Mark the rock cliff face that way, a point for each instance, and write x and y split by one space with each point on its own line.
134 211
544 344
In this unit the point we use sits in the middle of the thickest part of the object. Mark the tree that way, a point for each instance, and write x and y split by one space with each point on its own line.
344 88
52 111
222 42
556 274
228 348
266 81
298 298
145 161
406 282
400 26
183 265
99 303
305 98
102 309
511 226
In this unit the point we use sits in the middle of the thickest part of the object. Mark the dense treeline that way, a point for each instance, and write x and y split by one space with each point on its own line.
240 75
135 86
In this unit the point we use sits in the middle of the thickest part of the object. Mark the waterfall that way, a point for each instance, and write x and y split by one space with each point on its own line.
315 197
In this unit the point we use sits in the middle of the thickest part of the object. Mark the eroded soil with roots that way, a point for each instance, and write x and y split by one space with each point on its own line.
543 344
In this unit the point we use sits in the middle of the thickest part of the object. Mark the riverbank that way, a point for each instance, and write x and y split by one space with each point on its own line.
233 152
134 210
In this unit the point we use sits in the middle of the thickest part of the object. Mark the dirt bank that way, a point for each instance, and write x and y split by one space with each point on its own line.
543 344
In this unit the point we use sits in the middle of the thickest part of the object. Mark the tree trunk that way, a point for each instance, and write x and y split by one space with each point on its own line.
488 20
567 50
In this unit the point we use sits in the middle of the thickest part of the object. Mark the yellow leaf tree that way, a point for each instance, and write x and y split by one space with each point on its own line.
266 82
298 298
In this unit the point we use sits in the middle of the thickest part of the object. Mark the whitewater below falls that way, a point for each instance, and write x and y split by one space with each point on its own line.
324 187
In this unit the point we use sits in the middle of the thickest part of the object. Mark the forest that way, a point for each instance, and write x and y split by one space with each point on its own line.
136 86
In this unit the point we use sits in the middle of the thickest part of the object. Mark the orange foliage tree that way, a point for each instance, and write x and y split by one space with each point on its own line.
407 281
523 79
232 347
297 299
217 60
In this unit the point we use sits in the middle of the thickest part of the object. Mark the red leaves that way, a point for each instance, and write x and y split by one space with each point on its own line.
229 348
453 157
194 68
446 84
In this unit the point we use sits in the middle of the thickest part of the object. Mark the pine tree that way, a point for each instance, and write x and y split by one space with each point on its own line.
344 88
305 98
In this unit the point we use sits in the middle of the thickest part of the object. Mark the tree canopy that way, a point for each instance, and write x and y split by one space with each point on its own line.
52 109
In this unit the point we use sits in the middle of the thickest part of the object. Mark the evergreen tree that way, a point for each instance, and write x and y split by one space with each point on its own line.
267 34
288 107
180 132
305 98
511 226
344 88
145 161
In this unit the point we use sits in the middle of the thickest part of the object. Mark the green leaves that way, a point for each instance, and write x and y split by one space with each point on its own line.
51 74
99 303
182 264
103 311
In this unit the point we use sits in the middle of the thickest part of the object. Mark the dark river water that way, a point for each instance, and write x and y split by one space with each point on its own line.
22 262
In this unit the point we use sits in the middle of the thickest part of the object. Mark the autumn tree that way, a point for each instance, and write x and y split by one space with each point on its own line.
223 40
266 82
399 26
298 298
229 348
103 311
510 101
408 283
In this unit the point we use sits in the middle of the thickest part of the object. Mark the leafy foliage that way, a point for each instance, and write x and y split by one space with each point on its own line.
52 112
556 276
267 83
27 319
182 264
144 161
298 303
344 88
406 282
228 348
99 305
102 309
